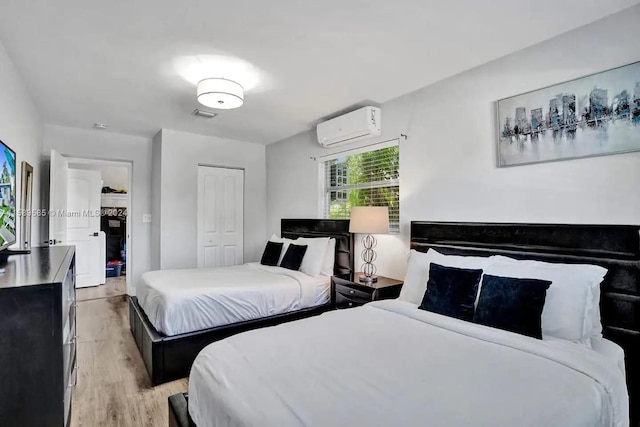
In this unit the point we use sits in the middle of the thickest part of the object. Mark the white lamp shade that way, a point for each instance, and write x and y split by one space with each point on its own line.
369 220
220 93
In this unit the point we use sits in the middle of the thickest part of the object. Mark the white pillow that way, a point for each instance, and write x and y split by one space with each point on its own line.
285 245
596 321
415 281
314 256
329 258
569 303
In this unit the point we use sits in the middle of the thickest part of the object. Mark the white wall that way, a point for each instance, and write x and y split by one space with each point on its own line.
21 130
448 164
180 156
102 145
116 177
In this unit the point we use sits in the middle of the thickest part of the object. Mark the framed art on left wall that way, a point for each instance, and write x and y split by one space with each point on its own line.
26 192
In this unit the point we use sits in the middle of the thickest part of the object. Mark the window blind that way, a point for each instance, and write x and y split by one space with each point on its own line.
365 179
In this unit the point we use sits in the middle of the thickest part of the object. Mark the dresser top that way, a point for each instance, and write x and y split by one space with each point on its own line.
42 265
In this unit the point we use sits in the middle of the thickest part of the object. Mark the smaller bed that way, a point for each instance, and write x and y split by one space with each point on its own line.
178 312
183 301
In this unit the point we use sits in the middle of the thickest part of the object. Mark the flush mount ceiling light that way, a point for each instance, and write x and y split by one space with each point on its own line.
220 93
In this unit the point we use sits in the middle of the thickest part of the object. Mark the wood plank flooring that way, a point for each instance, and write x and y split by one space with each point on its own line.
113 287
113 385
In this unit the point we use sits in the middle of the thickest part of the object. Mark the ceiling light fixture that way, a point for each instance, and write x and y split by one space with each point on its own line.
220 93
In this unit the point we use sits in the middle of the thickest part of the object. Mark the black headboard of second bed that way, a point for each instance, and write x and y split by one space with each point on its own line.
336 228
615 247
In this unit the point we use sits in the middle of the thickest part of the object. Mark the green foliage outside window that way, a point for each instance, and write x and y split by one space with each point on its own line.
372 180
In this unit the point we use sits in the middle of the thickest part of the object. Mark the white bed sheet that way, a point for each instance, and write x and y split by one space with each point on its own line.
188 300
611 351
323 289
389 363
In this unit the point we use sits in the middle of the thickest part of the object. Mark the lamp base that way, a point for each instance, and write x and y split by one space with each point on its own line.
370 279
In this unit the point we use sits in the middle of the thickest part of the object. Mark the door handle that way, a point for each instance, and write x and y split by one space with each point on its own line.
94 234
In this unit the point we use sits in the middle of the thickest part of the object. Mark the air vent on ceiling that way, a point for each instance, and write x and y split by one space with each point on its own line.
202 113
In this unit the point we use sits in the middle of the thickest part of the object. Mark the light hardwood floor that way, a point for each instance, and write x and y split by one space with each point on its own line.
113 385
113 287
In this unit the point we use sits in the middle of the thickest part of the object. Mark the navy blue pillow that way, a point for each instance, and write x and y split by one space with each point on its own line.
451 291
293 257
271 254
512 304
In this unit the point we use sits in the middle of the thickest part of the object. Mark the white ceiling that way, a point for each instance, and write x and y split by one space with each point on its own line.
123 62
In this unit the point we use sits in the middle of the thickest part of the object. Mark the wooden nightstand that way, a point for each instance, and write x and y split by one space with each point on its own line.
347 291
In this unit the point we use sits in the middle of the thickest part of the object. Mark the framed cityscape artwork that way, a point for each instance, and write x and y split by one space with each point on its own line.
594 115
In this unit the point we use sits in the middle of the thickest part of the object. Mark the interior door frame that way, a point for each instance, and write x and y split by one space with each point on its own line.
56 232
130 238
244 192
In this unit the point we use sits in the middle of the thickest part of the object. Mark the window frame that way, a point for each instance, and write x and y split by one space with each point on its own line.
324 201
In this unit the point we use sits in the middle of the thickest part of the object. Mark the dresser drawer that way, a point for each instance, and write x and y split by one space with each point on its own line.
68 394
352 294
68 292
69 353
348 297
342 302
69 324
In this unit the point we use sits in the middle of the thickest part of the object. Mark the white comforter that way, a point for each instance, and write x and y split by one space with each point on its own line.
181 301
390 364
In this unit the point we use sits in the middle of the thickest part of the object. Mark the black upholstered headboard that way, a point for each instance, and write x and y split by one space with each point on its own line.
336 228
615 247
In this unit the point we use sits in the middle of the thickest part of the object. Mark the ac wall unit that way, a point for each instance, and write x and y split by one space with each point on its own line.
351 127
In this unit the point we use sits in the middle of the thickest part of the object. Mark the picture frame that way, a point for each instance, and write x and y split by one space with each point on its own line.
26 194
594 115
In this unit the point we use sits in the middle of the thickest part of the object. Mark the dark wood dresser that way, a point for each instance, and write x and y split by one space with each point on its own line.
38 338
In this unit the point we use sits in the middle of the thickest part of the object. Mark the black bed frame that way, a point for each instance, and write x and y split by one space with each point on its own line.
615 247
169 358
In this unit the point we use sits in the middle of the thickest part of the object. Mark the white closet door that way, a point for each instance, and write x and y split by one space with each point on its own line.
220 216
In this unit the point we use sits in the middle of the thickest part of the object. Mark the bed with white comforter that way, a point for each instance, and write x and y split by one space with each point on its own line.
188 300
389 363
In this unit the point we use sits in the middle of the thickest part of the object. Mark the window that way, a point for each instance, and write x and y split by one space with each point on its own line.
366 179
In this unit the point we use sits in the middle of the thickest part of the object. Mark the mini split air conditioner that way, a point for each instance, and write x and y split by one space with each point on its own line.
351 127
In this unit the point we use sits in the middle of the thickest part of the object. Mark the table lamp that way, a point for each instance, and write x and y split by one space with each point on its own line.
369 220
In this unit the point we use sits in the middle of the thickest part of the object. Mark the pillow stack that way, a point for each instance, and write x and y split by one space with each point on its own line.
312 256
533 298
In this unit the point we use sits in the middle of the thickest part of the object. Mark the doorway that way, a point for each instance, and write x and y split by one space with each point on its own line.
220 216
114 225
98 201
